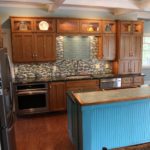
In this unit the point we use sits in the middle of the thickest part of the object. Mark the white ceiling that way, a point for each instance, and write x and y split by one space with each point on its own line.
116 7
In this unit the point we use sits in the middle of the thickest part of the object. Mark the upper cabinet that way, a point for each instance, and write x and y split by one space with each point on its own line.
67 26
79 26
90 26
25 24
107 41
33 39
22 24
131 27
44 25
109 26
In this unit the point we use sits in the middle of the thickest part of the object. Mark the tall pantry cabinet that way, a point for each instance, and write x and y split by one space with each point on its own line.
129 47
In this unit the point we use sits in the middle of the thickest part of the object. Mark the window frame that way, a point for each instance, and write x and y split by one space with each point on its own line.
145 35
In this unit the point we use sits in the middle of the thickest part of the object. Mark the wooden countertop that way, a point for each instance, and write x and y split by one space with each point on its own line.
109 96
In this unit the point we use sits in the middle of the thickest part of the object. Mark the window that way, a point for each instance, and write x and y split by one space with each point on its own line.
146 51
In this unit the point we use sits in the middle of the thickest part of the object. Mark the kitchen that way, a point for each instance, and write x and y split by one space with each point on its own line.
49 74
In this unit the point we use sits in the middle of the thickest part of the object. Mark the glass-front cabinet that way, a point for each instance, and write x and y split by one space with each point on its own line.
131 27
67 26
22 24
90 26
109 26
44 25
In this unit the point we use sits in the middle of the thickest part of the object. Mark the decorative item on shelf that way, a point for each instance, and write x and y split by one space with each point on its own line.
43 25
108 27
129 28
23 26
90 28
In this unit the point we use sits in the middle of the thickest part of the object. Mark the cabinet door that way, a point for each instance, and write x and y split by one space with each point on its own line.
22 24
126 27
138 80
57 97
137 41
138 27
129 66
90 26
44 25
22 47
67 26
109 46
127 82
109 26
45 49
125 46
135 66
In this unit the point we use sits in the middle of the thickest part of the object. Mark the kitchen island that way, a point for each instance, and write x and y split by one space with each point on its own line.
109 119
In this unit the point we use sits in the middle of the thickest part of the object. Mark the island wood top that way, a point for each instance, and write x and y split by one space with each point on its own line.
109 96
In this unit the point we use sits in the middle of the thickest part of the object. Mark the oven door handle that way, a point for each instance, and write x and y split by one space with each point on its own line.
31 92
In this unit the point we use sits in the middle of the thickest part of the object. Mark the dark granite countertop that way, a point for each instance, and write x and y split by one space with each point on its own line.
57 79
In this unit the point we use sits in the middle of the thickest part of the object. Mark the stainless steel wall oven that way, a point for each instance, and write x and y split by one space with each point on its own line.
32 98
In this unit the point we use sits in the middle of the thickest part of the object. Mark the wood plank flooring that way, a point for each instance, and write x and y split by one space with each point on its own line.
49 132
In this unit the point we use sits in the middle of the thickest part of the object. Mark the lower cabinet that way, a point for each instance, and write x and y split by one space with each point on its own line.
57 92
129 67
57 96
82 85
132 81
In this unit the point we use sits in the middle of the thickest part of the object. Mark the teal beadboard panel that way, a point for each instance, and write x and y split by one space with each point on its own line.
76 47
115 125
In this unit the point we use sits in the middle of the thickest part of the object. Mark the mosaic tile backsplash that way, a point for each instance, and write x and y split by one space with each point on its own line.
65 67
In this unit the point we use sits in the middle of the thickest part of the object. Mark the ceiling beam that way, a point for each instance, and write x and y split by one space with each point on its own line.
53 6
120 11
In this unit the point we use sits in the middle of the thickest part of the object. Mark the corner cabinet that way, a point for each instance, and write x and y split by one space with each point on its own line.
129 47
33 39
57 96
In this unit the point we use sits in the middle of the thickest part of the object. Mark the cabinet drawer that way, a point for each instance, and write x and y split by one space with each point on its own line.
82 84
127 80
139 80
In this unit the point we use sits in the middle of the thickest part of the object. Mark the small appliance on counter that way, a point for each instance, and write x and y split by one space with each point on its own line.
7 134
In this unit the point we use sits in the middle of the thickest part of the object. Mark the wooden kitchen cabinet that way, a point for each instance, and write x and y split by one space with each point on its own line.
109 26
44 25
90 26
23 46
107 47
129 66
31 42
45 45
22 24
130 46
37 47
57 96
79 26
131 26
82 85
127 82
138 80
132 81
67 26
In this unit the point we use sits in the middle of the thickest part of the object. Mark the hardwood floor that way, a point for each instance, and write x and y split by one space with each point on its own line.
49 132
44 132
